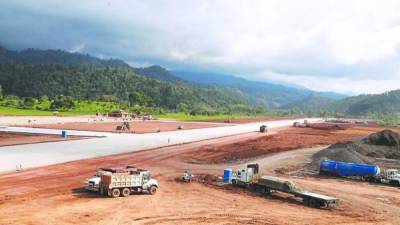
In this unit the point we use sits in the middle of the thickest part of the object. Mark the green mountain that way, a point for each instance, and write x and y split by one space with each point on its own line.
386 103
310 103
57 56
37 80
256 92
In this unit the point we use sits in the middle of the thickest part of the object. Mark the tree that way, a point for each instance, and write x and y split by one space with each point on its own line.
29 103
137 98
62 103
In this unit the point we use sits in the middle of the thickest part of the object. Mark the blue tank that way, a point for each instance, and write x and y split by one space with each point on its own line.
348 169
64 134
227 175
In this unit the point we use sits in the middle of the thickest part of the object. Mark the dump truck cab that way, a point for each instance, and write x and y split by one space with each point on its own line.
391 176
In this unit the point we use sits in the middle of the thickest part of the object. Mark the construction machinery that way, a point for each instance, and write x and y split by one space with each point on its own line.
367 172
248 177
125 126
263 128
186 177
122 181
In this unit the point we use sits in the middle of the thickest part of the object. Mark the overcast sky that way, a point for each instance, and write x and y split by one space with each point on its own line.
343 46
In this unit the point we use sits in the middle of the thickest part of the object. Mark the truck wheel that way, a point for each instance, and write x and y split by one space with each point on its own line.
306 201
152 190
126 192
313 203
234 182
115 193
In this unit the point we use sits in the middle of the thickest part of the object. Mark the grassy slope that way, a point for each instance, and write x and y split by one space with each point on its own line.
187 117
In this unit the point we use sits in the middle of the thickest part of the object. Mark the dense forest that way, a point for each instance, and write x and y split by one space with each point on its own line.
115 83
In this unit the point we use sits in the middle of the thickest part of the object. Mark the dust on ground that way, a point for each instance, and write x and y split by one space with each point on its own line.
7 138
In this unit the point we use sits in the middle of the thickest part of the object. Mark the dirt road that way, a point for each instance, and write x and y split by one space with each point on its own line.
137 126
54 195
7 139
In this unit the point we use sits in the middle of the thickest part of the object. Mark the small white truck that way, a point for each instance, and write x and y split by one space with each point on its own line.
389 176
115 182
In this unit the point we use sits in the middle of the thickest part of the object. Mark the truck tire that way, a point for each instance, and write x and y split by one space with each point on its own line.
152 190
306 201
125 192
313 203
115 192
234 183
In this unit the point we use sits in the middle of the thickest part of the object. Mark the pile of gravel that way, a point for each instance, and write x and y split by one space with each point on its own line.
381 148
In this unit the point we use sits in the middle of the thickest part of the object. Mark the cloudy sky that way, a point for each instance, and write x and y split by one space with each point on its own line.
343 46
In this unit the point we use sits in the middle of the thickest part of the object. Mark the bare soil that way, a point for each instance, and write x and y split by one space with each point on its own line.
140 127
246 120
284 140
54 194
7 139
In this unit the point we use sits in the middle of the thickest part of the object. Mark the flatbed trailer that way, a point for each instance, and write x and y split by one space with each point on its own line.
267 185
316 200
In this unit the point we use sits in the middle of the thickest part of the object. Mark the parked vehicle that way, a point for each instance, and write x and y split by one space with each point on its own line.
116 182
248 177
366 172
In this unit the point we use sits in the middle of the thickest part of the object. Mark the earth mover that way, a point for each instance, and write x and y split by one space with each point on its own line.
115 182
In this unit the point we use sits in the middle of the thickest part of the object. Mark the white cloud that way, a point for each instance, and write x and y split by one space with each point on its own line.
337 84
348 41
77 48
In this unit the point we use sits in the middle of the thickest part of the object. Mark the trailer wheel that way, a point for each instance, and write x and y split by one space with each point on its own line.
115 192
126 192
313 203
152 190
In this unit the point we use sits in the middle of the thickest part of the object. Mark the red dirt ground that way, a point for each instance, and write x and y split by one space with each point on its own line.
136 126
287 139
247 120
18 139
54 194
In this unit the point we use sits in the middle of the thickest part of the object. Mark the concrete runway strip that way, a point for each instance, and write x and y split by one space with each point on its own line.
42 154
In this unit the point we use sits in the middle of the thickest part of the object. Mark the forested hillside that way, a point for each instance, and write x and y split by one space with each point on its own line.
257 92
57 56
386 103
102 83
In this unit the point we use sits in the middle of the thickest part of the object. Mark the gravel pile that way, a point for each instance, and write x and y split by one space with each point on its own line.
382 148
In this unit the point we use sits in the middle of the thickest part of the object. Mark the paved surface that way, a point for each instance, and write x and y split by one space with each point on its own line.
34 155
30 130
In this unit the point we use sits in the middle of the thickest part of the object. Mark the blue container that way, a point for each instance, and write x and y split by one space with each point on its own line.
227 175
349 169
64 134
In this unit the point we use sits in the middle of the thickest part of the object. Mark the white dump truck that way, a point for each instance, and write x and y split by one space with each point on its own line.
115 182
248 177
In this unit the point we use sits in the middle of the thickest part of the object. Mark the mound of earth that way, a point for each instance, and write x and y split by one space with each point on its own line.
381 148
